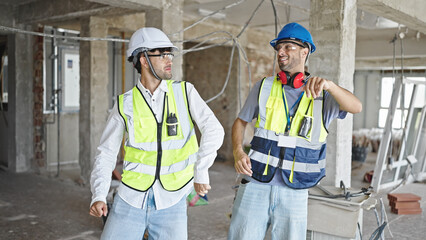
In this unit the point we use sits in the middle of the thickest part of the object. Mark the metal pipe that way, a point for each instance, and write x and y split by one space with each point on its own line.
58 109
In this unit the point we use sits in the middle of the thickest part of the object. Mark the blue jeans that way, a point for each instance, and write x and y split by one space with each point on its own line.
127 222
259 206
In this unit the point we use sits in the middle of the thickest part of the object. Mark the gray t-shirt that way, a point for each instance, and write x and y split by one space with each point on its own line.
250 111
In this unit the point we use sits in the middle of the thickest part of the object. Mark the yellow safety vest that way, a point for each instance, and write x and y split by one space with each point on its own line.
302 166
150 152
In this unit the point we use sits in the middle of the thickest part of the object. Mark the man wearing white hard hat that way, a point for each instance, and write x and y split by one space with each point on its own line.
162 162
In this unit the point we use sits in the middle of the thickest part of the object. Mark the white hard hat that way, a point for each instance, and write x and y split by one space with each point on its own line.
149 38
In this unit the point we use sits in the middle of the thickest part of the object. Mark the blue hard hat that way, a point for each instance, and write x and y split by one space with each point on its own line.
295 31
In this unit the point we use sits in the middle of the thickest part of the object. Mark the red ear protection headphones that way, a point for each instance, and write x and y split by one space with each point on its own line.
295 81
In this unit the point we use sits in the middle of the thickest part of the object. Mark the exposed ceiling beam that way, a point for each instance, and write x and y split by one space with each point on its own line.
410 13
47 11
409 63
384 49
132 4
58 10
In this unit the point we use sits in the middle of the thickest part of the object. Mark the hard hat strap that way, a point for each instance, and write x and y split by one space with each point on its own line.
150 65
135 54
309 52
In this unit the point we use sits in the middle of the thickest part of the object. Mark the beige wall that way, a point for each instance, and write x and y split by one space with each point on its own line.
207 70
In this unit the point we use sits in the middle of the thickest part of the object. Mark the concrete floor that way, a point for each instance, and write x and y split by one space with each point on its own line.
411 227
43 207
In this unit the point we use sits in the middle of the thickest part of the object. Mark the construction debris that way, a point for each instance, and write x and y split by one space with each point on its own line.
370 139
404 203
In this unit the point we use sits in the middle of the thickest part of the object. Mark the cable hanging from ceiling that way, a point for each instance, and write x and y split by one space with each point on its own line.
224 38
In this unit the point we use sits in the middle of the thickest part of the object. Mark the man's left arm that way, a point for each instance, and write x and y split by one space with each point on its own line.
212 135
347 101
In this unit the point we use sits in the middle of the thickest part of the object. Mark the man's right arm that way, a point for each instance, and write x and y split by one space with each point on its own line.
242 161
105 161
249 111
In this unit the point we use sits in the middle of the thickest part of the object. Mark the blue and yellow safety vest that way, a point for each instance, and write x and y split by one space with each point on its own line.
302 166
150 153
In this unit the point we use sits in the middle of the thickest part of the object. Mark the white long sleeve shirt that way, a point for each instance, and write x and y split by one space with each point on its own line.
212 135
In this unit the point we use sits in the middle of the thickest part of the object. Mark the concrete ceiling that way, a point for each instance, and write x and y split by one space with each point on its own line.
369 26
287 11
15 2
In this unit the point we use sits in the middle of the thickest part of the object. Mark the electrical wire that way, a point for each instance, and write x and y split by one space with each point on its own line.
206 17
239 82
389 153
236 44
251 17
402 103
276 33
9 29
381 223
197 47
409 170
233 48
227 77
378 232
385 219
359 230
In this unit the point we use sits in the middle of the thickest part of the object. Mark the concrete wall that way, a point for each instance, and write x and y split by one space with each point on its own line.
4 136
367 89
68 142
5 132
207 70
332 25
4 141
20 115
130 74
93 91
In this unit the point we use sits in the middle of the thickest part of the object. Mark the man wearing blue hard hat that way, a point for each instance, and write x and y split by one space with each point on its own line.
287 156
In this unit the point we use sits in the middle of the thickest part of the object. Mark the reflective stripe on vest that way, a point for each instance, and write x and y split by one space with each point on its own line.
150 153
303 166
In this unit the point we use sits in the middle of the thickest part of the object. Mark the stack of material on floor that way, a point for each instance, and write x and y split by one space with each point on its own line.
404 203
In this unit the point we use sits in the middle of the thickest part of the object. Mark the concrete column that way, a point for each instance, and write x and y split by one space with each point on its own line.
94 97
170 20
20 105
333 26
39 152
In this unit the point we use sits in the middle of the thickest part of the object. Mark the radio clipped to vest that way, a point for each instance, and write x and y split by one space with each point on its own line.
172 124
171 121
306 123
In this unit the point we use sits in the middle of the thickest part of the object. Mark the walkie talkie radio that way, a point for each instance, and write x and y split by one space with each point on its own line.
171 121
